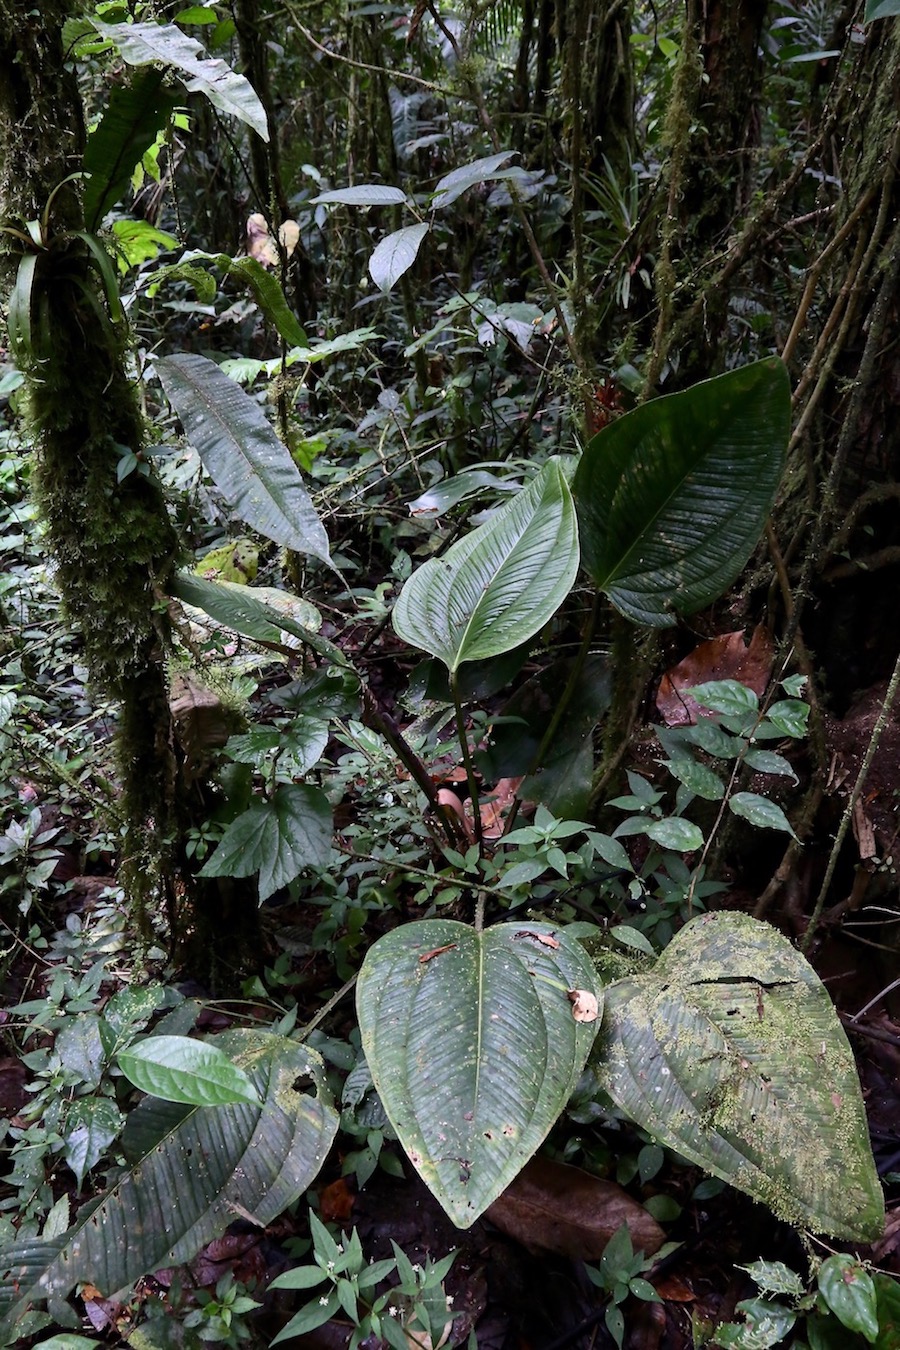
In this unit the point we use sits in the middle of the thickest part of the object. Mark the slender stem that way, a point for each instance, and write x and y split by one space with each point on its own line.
847 817
326 1009
381 722
467 761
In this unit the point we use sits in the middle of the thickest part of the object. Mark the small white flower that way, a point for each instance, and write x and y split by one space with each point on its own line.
330 1267
323 1301
449 1300
417 1269
394 1312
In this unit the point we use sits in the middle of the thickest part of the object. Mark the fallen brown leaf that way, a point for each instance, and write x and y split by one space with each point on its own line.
552 1207
721 658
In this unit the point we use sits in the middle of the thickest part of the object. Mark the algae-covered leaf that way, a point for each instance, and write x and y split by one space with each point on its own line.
196 1170
730 1052
475 1045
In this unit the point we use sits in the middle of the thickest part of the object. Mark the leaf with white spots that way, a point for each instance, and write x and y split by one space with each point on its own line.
475 1045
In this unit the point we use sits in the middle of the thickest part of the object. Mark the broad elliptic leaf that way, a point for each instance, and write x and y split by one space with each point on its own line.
262 613
276 837
135 114
458 181
673 497
729 1051
179 1069
143 44
849 1290
881 9
197 1169
499 585
242 454
759 811
395 254
474 1047
365 194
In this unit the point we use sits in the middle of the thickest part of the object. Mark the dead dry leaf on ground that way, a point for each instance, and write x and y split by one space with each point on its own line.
726 657
552 1207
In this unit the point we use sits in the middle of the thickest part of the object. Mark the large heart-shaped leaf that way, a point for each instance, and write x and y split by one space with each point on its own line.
730 1052
197 1169
672 498
143 44
242 454
496 588
474 1046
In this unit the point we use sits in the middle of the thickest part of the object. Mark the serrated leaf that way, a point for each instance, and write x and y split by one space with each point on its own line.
198 1168
474 1048
179 1069
730 1052
241 452
673 497
142 44
364 194
760 811
91 1125
277 838
494 589
395 254
455 183
133 118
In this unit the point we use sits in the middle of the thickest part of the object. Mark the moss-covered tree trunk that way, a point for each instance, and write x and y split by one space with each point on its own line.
111 542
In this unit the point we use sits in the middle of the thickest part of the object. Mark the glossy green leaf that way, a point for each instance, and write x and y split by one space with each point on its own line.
395 254
848 1289
277 837
242 454
700 779
269 296
143 44
458 181
474 1048
262 613
134 116
499 585
728 697
881 9
195 1170
764 761
673 497
759 811
729 1051
18 318
675 833
179 1069
790 716
365 194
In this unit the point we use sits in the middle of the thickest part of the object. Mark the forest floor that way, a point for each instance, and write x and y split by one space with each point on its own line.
518 1281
